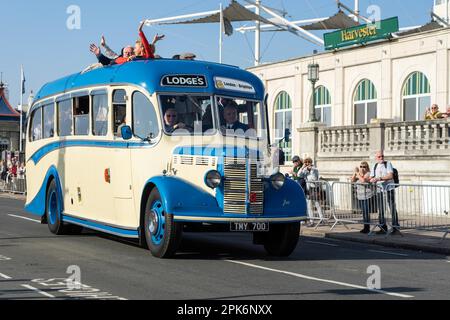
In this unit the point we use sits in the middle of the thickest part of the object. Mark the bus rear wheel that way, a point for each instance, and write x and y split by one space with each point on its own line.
282 239
162 234
53 210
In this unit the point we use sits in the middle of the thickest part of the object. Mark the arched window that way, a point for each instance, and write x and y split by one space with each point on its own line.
365 102
283 121
322 102
416 97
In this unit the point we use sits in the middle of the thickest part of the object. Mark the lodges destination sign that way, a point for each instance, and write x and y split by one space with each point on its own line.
361 34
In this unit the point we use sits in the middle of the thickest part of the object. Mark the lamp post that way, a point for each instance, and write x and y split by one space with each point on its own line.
313 76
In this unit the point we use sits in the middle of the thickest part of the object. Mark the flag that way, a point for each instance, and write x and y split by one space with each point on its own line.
228 27
23 80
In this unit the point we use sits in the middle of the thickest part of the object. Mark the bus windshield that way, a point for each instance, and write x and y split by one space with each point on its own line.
239 117
187 114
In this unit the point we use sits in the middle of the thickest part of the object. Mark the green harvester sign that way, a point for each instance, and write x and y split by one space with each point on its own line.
361 34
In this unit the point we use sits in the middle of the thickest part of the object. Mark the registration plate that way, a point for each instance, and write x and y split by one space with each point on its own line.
249 226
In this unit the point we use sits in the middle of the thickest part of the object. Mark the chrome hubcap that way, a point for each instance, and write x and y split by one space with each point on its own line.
153 227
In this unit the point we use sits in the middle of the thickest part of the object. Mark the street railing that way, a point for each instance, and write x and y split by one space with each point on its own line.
13 185
352 199
423 207
320 202
404 206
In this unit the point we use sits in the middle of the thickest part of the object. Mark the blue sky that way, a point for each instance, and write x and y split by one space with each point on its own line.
34 33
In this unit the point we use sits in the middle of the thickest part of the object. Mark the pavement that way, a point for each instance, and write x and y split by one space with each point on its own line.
420 240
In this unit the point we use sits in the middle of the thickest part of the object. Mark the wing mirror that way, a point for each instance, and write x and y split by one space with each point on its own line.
126 132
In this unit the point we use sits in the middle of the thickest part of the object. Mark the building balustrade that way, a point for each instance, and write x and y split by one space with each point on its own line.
420 150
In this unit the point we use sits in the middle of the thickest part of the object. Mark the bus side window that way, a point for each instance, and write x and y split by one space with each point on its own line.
100 114
81 115
65 118
49 120
36 125
119 109
145 120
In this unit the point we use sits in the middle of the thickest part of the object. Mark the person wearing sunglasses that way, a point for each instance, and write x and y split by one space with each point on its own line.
313 190
171 121
433 113
295 172
383 175
364 193
298 164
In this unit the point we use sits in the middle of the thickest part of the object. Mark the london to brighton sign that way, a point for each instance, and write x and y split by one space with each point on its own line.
361 34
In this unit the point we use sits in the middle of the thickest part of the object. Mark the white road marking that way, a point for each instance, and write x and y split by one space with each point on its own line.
4 258
38 291
4 276
322 243
25 218
322 280
391 253
82 292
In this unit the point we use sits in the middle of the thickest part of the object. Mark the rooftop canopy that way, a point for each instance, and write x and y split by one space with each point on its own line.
339 21
234 12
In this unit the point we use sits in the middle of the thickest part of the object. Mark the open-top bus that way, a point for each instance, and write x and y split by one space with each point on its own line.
101 155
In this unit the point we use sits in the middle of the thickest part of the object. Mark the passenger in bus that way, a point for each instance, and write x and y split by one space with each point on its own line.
109 53
143 49
172 122
188 56
126 54
230 114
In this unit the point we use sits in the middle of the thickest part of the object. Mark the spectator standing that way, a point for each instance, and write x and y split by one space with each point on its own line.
311 176
3 170
13 170
21 171
383 175
295 172
364 193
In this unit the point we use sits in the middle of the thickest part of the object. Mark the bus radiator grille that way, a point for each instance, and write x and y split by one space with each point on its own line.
241 181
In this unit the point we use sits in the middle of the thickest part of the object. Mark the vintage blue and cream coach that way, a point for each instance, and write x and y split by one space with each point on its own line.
145 150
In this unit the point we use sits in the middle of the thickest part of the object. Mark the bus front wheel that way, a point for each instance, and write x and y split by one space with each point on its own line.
282 239
162 234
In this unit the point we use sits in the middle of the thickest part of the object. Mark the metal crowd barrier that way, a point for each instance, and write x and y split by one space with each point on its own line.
415 206
320 202
14 185
423 207
351 198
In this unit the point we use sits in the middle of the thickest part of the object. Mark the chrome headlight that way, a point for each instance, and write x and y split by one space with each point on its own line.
213 179
278 180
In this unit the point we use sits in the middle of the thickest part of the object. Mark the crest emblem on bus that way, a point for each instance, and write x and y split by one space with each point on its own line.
220 84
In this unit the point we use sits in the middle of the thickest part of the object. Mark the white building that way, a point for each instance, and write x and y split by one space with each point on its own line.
369 98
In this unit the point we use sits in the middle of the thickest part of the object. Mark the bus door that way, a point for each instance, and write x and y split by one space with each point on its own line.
120 172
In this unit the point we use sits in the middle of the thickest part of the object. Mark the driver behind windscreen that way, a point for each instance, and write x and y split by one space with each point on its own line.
230 114
171 121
